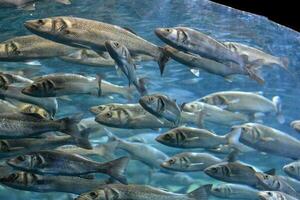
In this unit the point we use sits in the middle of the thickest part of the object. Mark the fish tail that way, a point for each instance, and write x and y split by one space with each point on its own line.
116 169
162 60
277 103
233 138
255 74
284 62
201 193
99 81
69 125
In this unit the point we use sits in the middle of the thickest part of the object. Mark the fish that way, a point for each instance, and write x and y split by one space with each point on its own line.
32 47
274 195
128 116
170 179
13 93
234 172
189 137
60 163
45 183
246 102
13 147
257 57
293 169
91 34
125 64
214 114
30 108
197 63
144 153
26 4
193 41
266 139
190 162
7 107
295 125
273 183
61 84
161 106
9 79
142 192
92 58
19 125
234 191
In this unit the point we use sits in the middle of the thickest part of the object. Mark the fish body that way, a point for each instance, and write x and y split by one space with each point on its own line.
275 195
142 192
31 47
9 78
293 169
234 191
61 163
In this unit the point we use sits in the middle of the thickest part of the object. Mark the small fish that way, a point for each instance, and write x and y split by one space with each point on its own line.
13 93
20 125
293 169
44 183
190 162
274 183
31 47
142 192
234 191
296 125
266 139
190 40
47 162
85 33
274 195
125 64
246 102
161 106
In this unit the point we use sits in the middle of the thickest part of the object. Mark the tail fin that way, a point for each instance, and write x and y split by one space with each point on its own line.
162 60
69 126
202 193
141 86
255 74
277 103
233 138
284 62
116 169
99 81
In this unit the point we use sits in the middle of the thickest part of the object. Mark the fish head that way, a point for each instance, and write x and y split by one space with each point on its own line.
4 146
265 179
101 108
48 27
10 50
221 190
113 118
192 106
20 179
268 195
106 193
40 88
172 36
30 108
117 51
218 171
28 161
5 80
292 169
171 138
177 163
152 103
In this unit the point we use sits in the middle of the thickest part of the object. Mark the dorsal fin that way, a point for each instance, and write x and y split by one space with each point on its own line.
130 30
232 156
271 172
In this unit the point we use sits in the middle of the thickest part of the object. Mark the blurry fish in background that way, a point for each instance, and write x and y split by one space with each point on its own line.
125 64
274 195
296 125
26 4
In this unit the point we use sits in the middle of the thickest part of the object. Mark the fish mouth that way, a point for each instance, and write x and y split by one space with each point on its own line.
159 32
165 165
25 91
159 139
94 110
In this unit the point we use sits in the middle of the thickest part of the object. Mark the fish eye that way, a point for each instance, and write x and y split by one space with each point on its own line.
108 114
41 22
266 176
101 108
93 194
168 30
167 137
21 158
117 44
214 170
4 146
292 168
172 161
269 193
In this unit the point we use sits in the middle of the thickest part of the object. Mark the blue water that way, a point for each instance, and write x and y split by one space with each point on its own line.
223 23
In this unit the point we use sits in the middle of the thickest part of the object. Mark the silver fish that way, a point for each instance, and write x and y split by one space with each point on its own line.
191 40
47 162
90 34
44 183
247 102
10 78
234 191
31 47
293 169
125 64
190 162
274 195
142 192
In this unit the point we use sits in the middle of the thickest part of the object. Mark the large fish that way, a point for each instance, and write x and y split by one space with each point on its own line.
191 40
197 63
142 192
125 64
31 47
266 139
246 102
60 84
234 191
45 183
91 34
61 163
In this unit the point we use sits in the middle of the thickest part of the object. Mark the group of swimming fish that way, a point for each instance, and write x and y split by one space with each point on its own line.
39 150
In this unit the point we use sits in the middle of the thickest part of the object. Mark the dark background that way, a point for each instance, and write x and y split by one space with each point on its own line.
285 12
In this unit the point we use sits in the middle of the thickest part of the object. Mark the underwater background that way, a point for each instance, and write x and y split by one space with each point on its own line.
221 22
